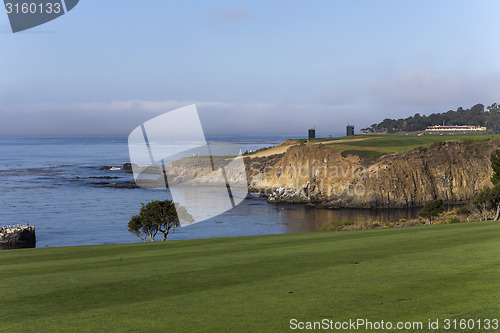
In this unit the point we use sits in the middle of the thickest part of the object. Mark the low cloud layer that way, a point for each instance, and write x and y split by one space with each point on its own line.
417 90
121 117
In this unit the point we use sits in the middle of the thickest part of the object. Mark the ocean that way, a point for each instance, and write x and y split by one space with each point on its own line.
57 185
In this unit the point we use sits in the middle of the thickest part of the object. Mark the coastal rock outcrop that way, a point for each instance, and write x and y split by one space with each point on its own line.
452 171
321 176
17 237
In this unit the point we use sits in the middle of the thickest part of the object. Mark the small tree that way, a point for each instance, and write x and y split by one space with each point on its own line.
495 165
157 216
432 209
486 203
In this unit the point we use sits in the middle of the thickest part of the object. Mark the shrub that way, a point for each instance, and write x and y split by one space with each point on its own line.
332 226
453 219
327 227
432 210
464 210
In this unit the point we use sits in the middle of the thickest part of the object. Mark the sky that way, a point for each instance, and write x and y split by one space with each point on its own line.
251 67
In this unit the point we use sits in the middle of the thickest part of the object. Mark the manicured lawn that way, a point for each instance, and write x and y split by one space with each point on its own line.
255 284
398 143
371 146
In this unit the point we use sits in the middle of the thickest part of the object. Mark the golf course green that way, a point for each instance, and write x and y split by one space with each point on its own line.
260 283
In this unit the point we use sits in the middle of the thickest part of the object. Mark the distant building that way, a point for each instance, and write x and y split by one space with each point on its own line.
442 129
312 134
349 130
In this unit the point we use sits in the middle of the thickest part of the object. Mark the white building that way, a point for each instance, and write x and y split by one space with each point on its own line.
442 129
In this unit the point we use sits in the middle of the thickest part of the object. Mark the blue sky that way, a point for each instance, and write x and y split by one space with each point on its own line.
252 67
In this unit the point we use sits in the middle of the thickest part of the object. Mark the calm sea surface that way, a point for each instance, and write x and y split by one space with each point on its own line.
53 183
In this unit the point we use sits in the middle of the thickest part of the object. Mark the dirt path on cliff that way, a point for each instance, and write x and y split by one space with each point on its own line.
281 148
271 151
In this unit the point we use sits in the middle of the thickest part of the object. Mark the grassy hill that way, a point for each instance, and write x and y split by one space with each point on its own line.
399 143
372 146
255 284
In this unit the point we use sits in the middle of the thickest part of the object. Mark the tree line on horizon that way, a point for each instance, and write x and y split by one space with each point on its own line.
477 115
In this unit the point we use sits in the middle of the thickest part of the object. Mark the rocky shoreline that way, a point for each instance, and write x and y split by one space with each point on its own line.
320 177
316 175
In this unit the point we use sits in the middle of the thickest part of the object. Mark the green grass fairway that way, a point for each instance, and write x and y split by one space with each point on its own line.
256 284
369 147
399 143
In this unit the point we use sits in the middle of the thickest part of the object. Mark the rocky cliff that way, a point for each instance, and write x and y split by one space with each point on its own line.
452 171
318 174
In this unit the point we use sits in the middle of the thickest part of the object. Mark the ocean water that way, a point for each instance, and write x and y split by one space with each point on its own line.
53 183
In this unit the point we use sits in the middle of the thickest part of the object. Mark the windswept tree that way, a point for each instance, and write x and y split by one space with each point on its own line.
432 210
157 216
486 203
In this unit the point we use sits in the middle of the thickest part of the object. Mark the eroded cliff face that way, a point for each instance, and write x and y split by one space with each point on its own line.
314 173
452 171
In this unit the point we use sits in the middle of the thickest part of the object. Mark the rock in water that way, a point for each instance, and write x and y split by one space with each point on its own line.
127 166
17 237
